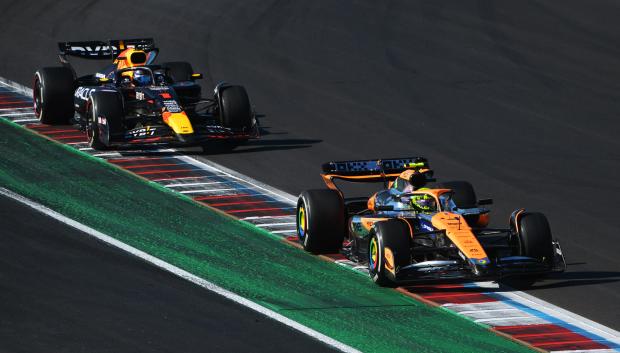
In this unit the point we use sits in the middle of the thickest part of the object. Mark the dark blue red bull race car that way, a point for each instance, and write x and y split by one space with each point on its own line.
132 100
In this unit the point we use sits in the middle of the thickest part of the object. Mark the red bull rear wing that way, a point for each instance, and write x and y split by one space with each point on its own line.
99 50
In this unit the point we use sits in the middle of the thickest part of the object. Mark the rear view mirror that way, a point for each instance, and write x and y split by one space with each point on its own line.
196 76
485 202
103 80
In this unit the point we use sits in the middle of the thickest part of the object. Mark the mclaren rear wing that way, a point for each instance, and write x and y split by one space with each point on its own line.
100 50
370 171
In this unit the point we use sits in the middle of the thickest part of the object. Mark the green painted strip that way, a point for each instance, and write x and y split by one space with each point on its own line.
232 254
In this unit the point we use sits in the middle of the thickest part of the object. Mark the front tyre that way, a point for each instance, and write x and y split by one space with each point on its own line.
531 237
235 108
105 118
321 220
389 249
534 236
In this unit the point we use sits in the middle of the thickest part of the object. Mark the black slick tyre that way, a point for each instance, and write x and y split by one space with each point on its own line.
321 220
534 235
464 194
235 108
53 91
389 249
105 118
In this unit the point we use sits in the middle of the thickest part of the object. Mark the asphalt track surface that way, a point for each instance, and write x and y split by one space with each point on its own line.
63 291
520 97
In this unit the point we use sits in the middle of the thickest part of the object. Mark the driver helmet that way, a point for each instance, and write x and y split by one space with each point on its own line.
141 78
423 203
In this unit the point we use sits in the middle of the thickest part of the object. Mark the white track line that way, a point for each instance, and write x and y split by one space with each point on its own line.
275 224
210 190
175 179
263 217
105 154
467 312
179 272
23 120
283 231
194 184
505 318
15 109
17 114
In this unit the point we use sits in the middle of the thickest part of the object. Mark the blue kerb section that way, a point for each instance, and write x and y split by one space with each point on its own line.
554 320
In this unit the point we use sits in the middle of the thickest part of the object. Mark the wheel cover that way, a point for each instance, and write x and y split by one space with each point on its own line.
373 254
301 222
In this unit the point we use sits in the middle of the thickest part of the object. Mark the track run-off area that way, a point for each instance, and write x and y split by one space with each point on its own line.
510 313
520 98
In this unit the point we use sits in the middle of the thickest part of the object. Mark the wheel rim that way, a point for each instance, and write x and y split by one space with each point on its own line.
373 254
301 222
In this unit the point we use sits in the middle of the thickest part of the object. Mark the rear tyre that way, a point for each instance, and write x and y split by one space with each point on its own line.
105 119
179 71
464 195
321 220
389 249
235 108
53 95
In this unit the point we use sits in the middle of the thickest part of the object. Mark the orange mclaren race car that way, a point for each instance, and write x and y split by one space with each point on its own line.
134 101
410 231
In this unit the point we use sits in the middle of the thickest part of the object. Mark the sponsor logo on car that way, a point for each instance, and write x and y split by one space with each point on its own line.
146 131
172 106
83 93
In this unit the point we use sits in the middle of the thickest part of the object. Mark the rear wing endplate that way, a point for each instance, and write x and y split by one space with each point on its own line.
98 50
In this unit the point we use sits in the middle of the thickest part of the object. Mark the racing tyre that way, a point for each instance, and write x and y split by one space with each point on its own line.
389 249
321 220
534 236
104 119
464 195
53 95
179 71
235 108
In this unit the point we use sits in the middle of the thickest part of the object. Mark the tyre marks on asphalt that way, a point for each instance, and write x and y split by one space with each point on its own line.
484 303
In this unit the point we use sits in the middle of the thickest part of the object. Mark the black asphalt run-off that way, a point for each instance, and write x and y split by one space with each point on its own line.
64 291
520 97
